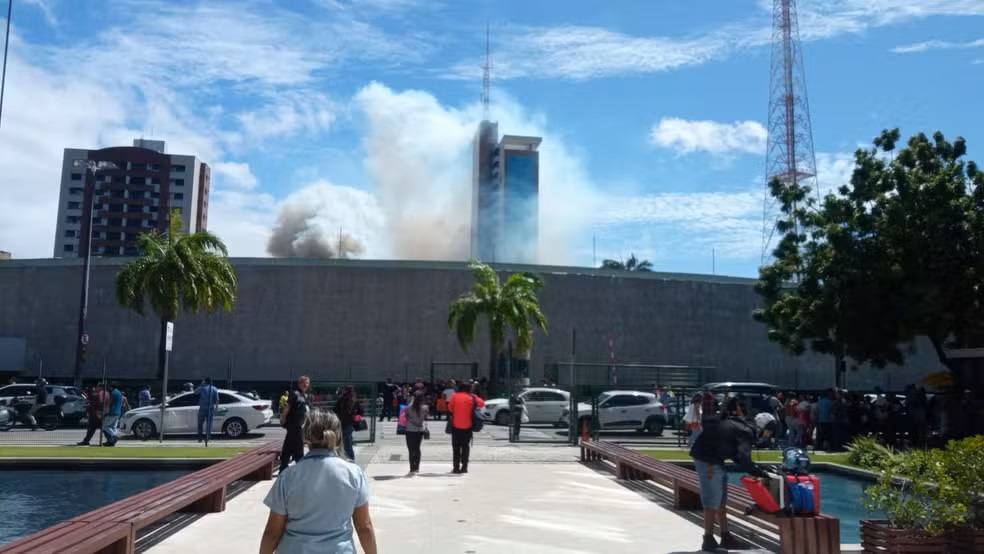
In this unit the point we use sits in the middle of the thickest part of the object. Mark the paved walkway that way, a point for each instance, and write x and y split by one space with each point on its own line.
515 499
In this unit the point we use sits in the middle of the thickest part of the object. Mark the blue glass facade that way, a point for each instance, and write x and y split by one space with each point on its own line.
521 210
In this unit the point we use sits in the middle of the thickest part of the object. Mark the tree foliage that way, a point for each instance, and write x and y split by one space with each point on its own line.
632 264
512 305
895 254
177 271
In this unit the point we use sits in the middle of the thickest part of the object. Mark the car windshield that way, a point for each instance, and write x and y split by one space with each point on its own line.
604 396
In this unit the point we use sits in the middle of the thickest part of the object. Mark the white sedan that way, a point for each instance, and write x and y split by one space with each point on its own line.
237 414
540 405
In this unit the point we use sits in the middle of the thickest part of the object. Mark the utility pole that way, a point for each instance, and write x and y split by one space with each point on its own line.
82 340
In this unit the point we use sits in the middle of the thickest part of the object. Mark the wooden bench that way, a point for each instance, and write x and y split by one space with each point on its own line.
73 536
113 529
797 535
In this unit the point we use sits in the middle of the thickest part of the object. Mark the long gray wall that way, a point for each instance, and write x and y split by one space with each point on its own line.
368 320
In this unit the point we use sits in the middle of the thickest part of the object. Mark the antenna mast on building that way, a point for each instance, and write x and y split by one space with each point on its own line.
790 156
486 73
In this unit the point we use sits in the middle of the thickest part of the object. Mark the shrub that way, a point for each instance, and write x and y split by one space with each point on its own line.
868 453
916 490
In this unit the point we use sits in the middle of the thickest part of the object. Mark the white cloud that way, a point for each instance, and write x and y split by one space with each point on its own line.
45 9
686 137
834 170
288 114
937 45
577 53
235 175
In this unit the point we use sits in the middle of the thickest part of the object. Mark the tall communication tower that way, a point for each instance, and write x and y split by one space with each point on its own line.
486 73
790 157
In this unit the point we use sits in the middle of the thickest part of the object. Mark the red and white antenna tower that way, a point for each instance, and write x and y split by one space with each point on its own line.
790 157
487 72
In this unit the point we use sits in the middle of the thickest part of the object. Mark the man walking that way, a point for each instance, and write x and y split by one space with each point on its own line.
116 404
389 391
143 397
208 404
722 437
463 404
292 418
94 407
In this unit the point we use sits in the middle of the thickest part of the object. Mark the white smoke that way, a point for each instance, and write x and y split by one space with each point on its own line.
419 161
325 221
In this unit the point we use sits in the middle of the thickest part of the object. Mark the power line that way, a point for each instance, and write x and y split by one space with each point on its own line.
6 47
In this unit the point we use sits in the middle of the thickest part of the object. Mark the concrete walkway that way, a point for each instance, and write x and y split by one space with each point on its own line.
555 508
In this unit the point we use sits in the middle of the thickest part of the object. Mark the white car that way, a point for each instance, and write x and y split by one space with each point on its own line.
540 405
625 410
237 414
71 399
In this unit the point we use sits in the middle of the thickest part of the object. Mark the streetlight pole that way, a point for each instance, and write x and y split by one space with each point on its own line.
82 340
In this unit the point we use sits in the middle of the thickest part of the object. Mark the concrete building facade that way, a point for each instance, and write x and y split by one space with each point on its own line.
365 321
505 197
124 191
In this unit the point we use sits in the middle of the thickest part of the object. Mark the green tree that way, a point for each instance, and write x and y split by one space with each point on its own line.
632 264
512 305
896 254
177 271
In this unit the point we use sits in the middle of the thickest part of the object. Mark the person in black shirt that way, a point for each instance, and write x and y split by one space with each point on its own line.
389 390
292 418
722 437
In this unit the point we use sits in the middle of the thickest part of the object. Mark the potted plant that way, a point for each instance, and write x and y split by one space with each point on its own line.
916 493
965 463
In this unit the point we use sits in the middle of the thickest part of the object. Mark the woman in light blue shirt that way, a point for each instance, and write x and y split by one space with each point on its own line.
315 503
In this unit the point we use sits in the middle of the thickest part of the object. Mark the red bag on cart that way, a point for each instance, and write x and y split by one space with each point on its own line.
764 498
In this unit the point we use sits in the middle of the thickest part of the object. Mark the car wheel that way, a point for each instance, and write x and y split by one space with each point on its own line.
654 427
502 417
143 429
234 428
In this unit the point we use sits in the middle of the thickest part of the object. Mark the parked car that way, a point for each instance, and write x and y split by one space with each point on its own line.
70 399
543 405
237 414
625 410
756 394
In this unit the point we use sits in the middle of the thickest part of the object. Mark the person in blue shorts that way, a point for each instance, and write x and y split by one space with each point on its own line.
723 436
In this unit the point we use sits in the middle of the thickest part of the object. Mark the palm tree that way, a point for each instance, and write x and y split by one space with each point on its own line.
633 264
177 271
512 305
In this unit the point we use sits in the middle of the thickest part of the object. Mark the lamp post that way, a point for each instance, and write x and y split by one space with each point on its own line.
82 340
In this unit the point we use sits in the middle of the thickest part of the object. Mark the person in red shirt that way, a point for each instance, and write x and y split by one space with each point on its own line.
461 406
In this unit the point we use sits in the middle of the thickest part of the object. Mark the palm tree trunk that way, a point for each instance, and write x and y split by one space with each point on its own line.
493 371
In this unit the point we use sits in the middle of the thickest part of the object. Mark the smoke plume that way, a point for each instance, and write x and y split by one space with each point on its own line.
324 221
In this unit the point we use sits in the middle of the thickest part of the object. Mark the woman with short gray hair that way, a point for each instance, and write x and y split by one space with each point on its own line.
315 503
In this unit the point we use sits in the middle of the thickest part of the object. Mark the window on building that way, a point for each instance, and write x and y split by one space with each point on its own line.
110 251
178 168
116 193
74 205
138 180
154 167
131 237
155 181
153 209
137 194
80 163
134 208
130 251
177 182
178 196
68 248
76 176
75 191
115 207
115 222
155 195
133 222
70 234
113 235
72 219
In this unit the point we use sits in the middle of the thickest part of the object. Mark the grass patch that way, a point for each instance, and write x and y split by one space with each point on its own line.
758 456
117 452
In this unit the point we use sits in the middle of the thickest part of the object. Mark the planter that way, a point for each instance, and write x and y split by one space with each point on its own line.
878 537
966 541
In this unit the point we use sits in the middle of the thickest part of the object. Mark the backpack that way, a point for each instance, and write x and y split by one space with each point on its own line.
477 423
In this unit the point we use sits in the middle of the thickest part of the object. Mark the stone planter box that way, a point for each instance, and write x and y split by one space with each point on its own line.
878 537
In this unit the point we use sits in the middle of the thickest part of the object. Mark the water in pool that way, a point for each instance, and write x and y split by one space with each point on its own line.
35 499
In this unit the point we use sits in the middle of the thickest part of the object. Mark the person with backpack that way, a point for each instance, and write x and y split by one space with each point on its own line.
463 423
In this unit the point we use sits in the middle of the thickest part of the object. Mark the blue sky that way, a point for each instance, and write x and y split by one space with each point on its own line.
358 114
